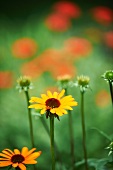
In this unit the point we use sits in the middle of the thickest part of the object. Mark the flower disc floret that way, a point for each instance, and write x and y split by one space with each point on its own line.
54 103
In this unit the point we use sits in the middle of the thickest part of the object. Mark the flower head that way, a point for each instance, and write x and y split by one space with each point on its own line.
24 83
64 81
53 103
83 82
18 159
108 76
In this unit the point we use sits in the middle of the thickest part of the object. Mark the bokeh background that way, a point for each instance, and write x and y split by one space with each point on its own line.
45 40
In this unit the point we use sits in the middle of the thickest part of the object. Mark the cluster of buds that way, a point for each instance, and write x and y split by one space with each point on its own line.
24 83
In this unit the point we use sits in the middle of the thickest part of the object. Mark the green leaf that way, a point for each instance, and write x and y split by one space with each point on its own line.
92 162
102 133
103 164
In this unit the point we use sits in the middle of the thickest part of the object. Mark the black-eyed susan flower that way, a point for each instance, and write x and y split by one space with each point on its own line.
53 103
18 159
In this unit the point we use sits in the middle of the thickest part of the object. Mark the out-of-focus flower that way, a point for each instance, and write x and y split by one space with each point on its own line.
24 83
64 81
24 48
77 47
102 98
108 76
62 69
18 159
53 103
108 39
103 15
94 34
6 79
57 22
82 82
68 9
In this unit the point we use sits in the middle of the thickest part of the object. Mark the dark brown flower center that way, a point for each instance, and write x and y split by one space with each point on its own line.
52 103
18 158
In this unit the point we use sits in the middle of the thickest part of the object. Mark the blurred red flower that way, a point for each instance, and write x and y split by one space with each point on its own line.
24 48
50 60
64 69
77 47
108 39
103 15
102 98
57 22
32 69
6 79
68 9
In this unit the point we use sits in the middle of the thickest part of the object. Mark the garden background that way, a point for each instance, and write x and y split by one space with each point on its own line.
41 40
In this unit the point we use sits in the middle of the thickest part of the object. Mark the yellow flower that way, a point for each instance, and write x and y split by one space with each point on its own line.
17 158
53 103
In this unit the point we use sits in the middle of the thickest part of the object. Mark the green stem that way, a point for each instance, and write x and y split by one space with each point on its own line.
30 119
111 91
71 140
71 137
83 130
52 140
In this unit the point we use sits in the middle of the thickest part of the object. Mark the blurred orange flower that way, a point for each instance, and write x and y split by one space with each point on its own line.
103 15
102 98
6 79
77 47
57 22
24 48
108 39
68 9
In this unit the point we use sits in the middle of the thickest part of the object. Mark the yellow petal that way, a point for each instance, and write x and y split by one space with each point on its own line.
49 94
29 152
4 155
36 106
61 93
15 165
24 151
42 111
36 100
7 153
52 110
30 162
16 151
5 163
22 166
67 107
33 155
44 97
4 159
55 95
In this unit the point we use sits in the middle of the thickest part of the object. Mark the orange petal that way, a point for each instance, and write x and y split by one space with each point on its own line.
4 155
15 165
24 151
22 166
16 151
30 162
5 163
29 152
33 155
